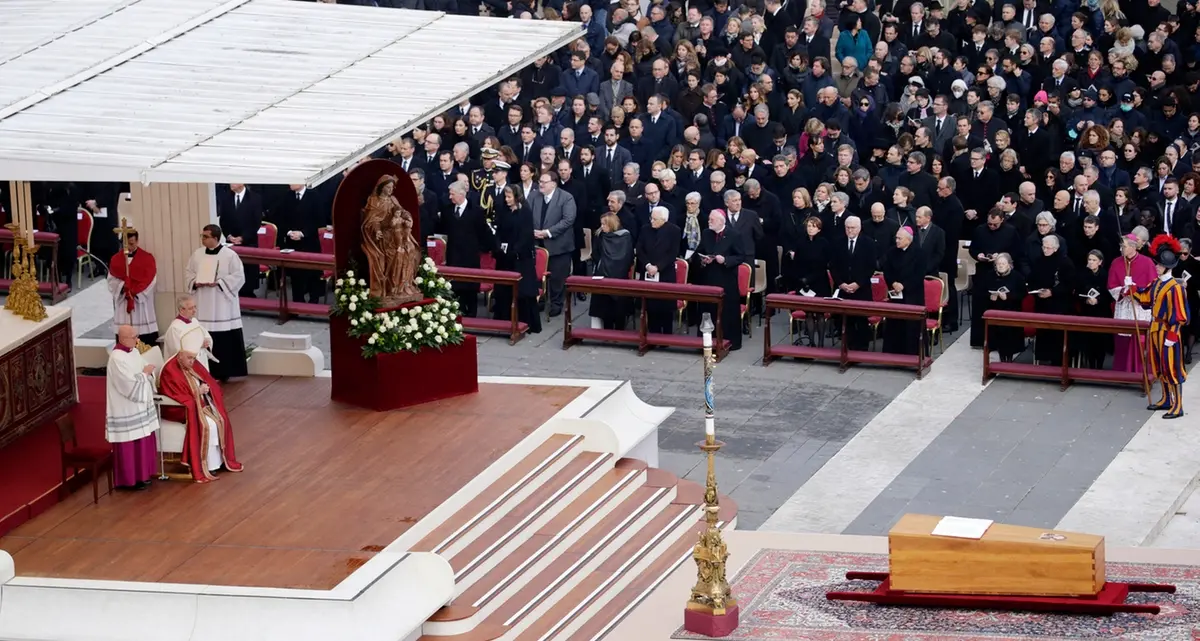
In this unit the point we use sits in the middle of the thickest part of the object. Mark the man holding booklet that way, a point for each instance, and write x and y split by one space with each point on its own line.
214 276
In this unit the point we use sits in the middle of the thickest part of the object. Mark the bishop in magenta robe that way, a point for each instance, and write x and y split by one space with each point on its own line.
1130 268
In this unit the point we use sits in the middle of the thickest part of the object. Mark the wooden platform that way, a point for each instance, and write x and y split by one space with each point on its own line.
325 487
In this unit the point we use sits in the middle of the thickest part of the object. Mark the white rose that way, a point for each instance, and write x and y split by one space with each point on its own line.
338 283
458 327
353 307
408 346
426 316
350 274
362 282
442 282
437 339
354 299
417 336
371 340
366 316
418 280
353 323
428 260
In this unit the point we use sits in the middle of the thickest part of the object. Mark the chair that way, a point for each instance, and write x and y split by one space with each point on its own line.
760 286
487 261
327 248
879 294
585 254
681 278
541 270
745 273
93 459
83 249
935 296
268 238
436 248
967 266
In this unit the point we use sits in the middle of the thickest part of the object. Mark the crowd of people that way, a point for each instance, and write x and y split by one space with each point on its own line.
830 140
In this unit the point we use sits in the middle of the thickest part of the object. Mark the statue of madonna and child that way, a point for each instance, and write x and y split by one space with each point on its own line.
393 255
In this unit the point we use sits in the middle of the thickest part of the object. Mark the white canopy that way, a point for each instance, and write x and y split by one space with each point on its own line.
255 91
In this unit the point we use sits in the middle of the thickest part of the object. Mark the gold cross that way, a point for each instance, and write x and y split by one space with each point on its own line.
124 231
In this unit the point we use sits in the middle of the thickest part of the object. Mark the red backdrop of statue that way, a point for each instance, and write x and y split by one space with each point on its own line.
387 381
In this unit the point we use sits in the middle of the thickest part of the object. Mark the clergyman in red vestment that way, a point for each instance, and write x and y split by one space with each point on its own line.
132 276
208 446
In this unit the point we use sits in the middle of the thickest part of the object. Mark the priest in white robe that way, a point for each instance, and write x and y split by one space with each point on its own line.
131 418
132 277
214 276
186 334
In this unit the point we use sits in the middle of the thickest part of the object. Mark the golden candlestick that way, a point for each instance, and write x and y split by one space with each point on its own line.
23 297
711 594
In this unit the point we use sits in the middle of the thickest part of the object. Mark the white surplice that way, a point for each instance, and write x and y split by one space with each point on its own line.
186 337
213 459
143 319
130 413
217 308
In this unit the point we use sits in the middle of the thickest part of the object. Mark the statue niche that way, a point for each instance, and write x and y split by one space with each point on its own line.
393 256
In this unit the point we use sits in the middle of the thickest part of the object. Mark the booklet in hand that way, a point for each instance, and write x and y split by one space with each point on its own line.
837 294
1091 293
895 295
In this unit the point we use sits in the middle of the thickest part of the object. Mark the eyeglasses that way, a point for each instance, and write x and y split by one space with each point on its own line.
864 104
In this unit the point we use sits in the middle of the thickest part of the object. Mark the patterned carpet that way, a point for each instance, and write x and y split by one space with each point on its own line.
782 598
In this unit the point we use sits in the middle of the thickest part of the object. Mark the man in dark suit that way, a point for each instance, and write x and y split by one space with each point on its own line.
661 131
922 183
595 184
1033 144
746 222
554 212
657 248
948 216
722 248
467 236
240 214
931 240
579 81
941 124
529 147
1172 212
612 158
852 265
302 221
660 82
980 190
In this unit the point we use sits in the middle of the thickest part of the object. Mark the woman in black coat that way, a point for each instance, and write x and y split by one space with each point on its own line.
1091 348
904 273
1052 283
514 252
1002 287
809 259
613 255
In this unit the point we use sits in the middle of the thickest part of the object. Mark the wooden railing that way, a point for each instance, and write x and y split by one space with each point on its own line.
643 291
46 241
1064 374
286 308
843 309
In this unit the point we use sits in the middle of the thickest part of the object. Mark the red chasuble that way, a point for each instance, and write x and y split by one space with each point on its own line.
180 388
141 274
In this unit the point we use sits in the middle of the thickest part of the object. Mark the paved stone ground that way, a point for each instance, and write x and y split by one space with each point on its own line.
1022 453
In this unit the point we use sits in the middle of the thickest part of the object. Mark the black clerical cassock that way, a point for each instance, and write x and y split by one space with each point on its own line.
905 266
736 249
659 246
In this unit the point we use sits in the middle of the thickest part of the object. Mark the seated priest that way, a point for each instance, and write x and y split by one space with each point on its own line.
208 445
186 334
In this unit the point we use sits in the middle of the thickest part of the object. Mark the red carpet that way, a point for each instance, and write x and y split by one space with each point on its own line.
29 468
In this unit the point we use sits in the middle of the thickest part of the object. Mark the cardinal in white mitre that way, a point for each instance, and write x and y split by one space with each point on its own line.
187 334
214 276
131 419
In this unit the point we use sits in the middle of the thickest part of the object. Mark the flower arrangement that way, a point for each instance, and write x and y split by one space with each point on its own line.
407 329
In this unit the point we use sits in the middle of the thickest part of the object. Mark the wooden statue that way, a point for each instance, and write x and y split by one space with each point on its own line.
393 255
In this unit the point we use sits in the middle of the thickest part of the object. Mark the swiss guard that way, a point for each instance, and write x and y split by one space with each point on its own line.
1167 302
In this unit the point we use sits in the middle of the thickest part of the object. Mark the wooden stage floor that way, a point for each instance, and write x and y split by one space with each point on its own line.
325 487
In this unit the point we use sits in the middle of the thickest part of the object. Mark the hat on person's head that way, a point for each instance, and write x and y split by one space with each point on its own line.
488 152
501 166
1041 97
1090 94
593 100
917 80
1127 97
1166 249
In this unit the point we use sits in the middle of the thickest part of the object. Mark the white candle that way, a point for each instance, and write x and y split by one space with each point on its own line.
707 339
710 426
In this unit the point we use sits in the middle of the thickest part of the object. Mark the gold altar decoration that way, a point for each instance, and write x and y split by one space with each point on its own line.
392 253
142 348
23 297
711 593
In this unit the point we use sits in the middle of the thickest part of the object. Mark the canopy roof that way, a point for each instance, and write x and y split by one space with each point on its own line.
254 91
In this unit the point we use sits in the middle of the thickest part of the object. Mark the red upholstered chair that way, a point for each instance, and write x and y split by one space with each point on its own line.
1027 307
933 309
879 294
487 261
745 274
541 269
83 247
268 238
93 459
436 248
681 278
327 248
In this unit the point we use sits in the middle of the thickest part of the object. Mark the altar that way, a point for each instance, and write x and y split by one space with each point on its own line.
37 371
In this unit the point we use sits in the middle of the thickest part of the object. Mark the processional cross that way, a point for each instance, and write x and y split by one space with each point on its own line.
124 232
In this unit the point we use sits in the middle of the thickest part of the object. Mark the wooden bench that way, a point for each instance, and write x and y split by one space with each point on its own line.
284 260
1064 374
513 328
843 355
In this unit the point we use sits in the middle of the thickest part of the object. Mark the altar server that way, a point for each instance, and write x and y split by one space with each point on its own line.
208 446
186 334
131 418
1167 302
215 275
132 277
